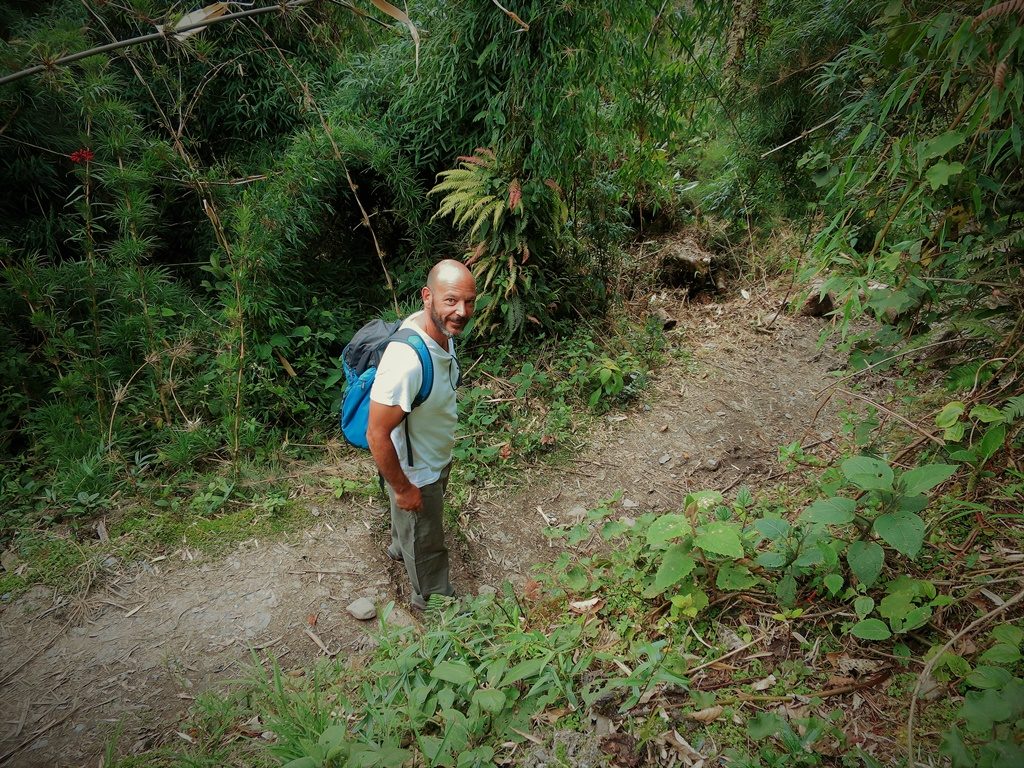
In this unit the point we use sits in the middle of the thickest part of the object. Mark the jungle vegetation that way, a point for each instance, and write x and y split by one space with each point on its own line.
192 226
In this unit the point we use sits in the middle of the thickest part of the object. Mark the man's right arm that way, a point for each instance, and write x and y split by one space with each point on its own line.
383 419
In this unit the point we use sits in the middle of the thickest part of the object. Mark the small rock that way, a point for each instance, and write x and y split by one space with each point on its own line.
629 504
665 458
9 561
362 609
268 736
578 513
486 589
109 562
314 511
720 414
629 522
711 465
5 597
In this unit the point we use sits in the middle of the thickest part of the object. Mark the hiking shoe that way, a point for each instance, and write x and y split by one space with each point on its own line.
397 558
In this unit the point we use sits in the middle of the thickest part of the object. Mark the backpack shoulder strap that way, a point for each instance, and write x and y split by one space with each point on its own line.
414 340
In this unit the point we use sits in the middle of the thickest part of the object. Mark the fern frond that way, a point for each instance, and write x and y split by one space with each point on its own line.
499 213
999 9
448 186
1013 410
457 203
1007 243
472 210
999 76
489 210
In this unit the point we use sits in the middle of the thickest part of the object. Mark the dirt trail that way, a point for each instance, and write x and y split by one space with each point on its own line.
138 648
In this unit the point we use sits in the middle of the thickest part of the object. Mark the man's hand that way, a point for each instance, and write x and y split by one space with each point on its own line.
411 500
383 419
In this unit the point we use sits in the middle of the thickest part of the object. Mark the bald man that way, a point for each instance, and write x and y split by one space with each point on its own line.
416 488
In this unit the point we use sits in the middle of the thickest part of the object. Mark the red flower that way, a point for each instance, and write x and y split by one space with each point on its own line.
83 155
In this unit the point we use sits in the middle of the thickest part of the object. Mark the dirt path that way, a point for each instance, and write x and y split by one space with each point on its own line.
138 648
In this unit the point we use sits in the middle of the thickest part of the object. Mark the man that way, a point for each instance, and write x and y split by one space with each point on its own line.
416 488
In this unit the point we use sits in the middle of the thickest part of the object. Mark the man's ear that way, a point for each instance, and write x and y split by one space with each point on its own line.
425 295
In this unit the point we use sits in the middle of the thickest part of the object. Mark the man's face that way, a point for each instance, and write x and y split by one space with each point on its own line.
451 305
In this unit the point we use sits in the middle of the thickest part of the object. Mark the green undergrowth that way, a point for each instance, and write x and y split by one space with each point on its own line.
512 413
668 627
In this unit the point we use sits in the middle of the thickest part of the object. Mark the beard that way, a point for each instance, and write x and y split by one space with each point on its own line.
441 325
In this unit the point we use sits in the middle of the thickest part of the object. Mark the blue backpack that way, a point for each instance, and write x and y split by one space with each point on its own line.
360 359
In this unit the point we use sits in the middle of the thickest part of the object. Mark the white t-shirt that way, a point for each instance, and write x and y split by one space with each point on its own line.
432 424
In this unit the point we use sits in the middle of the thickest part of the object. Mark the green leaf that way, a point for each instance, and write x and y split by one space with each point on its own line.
772 527
302 762
764 724
954 433
613 528
954 747
690 601
456 672
675 566
785 590
771 559
703 499
866 559
666 528
863 605
987 414
576 578
921 479
940 145
1009 634
333 735
833 583
939 174
901 530
1001 654
525 669
489 699
835 511
720 538
983 709
734 577
915 618
949 414
989 677
992 442
870 629
868 474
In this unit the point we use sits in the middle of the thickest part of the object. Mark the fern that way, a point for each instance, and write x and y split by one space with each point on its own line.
1013 409
1007 243
1000 9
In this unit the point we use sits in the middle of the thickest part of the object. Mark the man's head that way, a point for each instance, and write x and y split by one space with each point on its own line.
449 297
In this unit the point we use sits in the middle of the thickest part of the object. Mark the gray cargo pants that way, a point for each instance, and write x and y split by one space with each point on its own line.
417 539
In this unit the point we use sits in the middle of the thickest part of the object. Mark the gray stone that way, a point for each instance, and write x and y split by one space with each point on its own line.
486 589
711 465
362 609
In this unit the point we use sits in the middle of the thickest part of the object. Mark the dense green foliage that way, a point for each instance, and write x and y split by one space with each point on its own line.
190 230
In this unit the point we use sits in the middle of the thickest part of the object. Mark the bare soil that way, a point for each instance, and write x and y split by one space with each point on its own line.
133 652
